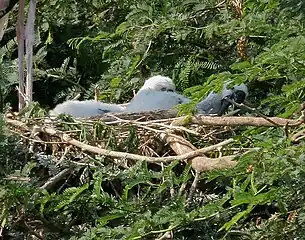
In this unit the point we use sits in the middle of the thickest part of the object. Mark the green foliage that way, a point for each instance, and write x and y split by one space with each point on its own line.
109 43
8 71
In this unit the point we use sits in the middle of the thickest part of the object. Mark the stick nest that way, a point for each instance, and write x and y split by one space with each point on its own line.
124 139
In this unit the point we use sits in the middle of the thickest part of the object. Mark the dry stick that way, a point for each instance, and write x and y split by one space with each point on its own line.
34 135
298 136
56 178
21 94
167 235
114 154
137 123
136 157
193 188
241 105
170 116
199 163
83 164
244 121
96 92
160 131
18 178
77 96
62 158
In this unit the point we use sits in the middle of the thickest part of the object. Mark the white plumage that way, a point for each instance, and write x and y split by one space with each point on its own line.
88 108
92 108
154 100
158 83
157 93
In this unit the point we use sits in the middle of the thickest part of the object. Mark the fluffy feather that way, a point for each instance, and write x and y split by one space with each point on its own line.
214 103
157 93
91 108
88 108
147 100
210 105
159 83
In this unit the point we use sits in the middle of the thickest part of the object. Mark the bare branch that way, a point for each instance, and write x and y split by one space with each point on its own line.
56 178
30 34
66 138
170 115
6 7
20 39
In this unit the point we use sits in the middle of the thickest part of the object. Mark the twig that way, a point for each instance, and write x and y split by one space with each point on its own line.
96 93
83 164
241 105
144 55
67 149
66 138
76 97
18 178
34 135
170 115
56 178
199 163
167 235
193 188
182 188
21 94
170 228
137 123
297 137
244 121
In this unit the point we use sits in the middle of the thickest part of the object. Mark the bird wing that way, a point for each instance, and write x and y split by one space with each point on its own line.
211 104
88 108
155 100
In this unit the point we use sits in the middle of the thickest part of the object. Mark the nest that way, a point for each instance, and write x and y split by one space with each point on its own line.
125 139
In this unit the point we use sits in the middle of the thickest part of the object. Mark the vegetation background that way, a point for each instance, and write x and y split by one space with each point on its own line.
200 44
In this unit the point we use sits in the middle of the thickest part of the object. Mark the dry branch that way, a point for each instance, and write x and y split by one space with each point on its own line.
169 130
297 137
114 154
203 120
29 39
53 180
245 121
200 163
20 39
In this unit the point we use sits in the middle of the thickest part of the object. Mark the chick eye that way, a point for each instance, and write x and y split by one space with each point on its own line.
170 90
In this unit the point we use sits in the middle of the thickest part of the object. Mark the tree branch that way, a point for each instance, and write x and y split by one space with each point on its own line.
5 9
114 154
170 115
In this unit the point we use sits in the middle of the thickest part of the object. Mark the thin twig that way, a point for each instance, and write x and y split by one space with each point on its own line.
66 138
62 158
193 188
56 178
241 105
137 123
